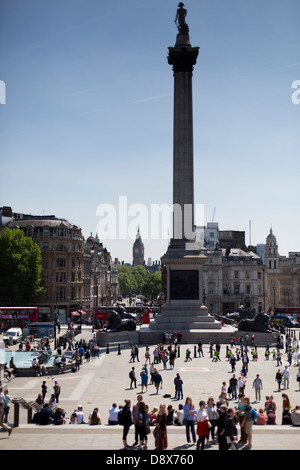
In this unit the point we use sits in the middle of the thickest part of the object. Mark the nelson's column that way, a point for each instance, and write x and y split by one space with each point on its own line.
183 261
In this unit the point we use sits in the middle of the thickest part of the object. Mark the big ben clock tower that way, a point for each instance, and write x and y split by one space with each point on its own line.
138 250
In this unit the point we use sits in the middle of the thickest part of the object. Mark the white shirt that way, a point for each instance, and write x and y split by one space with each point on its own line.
79 415
113 414
201 415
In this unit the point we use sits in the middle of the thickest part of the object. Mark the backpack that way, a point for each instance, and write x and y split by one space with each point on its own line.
131 374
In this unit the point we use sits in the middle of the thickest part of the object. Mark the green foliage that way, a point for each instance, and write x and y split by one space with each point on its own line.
152 285
21 280
132 278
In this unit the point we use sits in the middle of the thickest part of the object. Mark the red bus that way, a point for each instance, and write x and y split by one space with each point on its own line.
18 316
293 312
142 312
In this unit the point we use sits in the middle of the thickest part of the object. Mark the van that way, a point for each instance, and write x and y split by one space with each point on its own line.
13 336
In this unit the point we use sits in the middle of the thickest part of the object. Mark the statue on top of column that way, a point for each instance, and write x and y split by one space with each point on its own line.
180 19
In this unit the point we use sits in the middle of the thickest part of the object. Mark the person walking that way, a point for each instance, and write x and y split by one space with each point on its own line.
44 389
278 379
144 380
258 386
157 380
189 419
286 377
132 378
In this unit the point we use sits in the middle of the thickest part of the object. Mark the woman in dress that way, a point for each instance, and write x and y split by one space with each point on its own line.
202 425
160 431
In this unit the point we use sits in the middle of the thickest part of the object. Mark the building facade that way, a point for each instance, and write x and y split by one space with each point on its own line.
282 276
61 245
100 276
78 275
232 278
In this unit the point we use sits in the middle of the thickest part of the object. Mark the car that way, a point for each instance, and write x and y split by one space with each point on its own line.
13 336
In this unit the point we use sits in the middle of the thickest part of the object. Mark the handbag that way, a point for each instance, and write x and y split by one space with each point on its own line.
156 432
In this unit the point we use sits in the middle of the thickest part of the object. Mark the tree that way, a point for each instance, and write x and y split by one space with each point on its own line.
131 279
152 285
127 283
21 280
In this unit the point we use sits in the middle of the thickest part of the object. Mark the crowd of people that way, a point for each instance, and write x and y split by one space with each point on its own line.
225 421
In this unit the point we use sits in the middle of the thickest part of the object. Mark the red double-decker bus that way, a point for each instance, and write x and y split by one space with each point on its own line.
142 312
18 316
293 312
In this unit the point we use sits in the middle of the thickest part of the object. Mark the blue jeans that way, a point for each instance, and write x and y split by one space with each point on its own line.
190 425
179 394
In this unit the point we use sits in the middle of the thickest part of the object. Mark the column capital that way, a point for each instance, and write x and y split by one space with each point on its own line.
183 58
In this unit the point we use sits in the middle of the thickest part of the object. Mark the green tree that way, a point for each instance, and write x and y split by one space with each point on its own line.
152 285
21 280
127 283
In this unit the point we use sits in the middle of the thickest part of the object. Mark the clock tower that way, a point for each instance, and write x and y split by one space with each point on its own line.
138 250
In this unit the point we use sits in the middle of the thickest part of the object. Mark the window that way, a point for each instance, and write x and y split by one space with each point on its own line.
236 274
60 293
236 289
61 263
259 275
248 289
60 277
247 275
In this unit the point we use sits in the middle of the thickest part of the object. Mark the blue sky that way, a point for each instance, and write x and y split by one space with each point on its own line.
89 102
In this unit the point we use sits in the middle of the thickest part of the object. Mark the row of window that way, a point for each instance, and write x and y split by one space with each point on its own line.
236 275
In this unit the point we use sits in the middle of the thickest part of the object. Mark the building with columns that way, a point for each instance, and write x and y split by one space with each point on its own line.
282 276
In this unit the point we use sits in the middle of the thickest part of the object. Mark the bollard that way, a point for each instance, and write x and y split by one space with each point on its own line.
107 348
178 351
119 349
29 415
195 351
16 415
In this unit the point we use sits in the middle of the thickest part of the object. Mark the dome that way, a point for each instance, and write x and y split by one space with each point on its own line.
271 239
